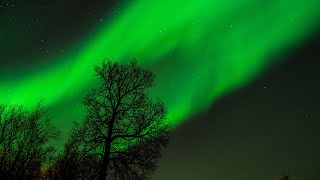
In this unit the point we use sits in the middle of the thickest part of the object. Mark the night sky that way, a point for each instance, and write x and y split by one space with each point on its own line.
239 78
255 133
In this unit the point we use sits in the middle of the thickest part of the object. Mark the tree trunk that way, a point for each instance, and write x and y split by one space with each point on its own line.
107 150
105 162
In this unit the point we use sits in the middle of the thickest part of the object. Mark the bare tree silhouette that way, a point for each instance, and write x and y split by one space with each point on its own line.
123 128
25 140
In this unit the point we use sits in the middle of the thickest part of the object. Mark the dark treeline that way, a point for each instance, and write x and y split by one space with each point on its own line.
121 136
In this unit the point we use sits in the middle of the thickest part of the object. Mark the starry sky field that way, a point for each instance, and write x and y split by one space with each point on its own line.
239 77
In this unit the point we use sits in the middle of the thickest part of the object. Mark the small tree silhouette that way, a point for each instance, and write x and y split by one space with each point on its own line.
73 164
123 127
285 175
25 138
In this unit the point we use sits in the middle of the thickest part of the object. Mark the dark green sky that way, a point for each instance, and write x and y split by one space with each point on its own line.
37 29
254 133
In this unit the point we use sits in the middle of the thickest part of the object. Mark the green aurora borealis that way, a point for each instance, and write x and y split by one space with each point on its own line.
199 50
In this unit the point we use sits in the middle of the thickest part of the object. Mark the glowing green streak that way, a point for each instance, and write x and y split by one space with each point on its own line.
218 46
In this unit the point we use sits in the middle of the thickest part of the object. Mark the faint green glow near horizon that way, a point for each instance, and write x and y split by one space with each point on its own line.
199 49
